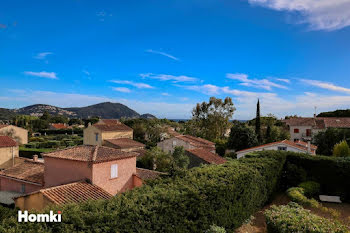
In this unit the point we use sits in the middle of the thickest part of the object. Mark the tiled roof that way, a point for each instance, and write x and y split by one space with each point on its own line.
124 143
290 143
172 132
3 126
59 126
198 142
6 141
146 174
304 144
75 192
109 121
88 153
114 127
27 171
320 122
207 156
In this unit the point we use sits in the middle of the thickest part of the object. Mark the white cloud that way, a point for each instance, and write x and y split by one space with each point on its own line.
326 85
283 80
42 56
42 74
165 94
86 72
138 85
167 77
257 83
207 89
163 54
122 89
319 14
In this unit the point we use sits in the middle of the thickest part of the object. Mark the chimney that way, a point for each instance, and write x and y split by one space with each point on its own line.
89 124
35 158
309 147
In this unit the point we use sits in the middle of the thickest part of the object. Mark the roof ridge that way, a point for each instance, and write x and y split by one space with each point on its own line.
94 154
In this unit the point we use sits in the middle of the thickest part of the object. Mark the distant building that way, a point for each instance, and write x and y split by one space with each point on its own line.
304 128
285 145
97 133
187 142
200 156
17 133
58 126
124 144
72 175
8 152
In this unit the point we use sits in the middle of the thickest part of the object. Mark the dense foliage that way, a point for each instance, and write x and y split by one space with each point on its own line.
311 188
294 218
336 113
241 137
224 195
341 149
325 140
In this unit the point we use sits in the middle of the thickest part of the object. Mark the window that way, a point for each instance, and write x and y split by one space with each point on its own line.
308 132
174 143
296 130
96 136
282 148
23 188
114 170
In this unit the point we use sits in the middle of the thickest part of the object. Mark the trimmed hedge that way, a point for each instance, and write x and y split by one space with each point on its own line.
294 218
311 188
332 173
225 195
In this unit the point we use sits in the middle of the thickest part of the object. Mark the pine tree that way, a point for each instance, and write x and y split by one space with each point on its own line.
257 122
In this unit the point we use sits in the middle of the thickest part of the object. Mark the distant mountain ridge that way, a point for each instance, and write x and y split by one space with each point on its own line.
106 110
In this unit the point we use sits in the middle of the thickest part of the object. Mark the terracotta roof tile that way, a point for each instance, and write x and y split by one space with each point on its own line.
6 141
3 126
124 143
301 146
336 122
146 174
59 126
207 156
195 141
88 153
117 127
320 122
27 171
109 121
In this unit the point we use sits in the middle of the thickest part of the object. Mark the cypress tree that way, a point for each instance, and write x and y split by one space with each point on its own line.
257 122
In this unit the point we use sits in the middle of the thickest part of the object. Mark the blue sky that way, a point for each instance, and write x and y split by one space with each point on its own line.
163 57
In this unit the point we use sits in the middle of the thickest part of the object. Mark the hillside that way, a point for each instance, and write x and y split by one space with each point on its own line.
102 110
105 110
337 113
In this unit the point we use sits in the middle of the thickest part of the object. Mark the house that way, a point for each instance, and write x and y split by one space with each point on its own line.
58 126
8 151
304 128
200 156
97 133
285 145
17 133
187 142
124 144
72 175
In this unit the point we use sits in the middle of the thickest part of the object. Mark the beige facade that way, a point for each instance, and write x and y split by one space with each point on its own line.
17 133
95 136
35 201
169 145
7 156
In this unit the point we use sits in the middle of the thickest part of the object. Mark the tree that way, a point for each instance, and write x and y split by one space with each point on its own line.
156 159
180 159
257 122
341 149
212 118
46 116
325 140
241 137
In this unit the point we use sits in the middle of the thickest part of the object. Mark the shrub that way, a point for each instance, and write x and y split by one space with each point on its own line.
341 149
215 229
293 218
226 195
297 195
311 188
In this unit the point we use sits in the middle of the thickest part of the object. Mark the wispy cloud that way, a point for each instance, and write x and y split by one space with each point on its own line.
42 56
163 54
319 14
138 85
207 89
167 77
86 72
257 83
122 89
42 74
283 80
165 94
326 85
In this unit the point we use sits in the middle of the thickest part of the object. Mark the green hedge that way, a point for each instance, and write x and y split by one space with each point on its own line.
333 174
225 195
311 188
293 218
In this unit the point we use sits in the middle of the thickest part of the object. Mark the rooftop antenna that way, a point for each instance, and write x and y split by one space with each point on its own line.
315 111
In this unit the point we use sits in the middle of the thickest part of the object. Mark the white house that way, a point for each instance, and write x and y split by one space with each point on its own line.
285 145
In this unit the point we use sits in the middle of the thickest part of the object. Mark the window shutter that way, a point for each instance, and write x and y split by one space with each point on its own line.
114 170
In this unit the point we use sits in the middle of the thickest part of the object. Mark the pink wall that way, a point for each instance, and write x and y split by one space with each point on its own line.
63 171
137 181
124 181
7 184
